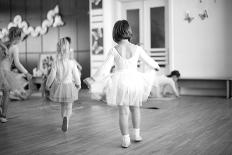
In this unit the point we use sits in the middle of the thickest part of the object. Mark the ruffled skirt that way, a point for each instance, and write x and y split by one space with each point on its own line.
63 92
126 87
11 81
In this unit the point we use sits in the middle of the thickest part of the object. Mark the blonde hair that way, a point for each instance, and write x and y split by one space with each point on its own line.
62 51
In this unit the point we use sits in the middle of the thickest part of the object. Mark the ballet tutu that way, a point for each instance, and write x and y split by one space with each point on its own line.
11 81
100 87
127 87
63 92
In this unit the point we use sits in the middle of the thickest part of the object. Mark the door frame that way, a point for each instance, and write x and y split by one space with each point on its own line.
145 28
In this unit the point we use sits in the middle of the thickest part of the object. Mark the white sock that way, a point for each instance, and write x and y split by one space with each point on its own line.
126 136
136 132
126 140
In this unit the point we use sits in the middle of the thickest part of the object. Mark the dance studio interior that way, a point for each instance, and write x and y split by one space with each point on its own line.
188 110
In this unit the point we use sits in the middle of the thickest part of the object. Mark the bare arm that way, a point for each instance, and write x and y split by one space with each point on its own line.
173 86
76 76
16 60
51 76
147 59
3 49
78 66
105 68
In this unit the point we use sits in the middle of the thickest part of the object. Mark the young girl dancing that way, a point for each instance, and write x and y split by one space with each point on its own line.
10 80
64 81
128 87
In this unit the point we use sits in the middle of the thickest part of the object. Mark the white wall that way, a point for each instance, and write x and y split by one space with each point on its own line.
111 15
203 47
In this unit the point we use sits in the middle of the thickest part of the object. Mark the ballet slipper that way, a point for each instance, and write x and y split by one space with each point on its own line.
126 141
65 124
137 136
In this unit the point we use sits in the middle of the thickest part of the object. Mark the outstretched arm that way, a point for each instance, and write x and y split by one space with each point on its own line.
147 59
103 70
16 60
76 76
18 64
51 76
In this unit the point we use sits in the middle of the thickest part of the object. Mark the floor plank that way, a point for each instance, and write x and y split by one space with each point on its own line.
188 125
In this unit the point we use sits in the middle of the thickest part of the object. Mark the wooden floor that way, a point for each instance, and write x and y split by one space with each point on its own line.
184 126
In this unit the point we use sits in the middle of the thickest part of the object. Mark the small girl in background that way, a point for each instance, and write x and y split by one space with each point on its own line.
166 86
64 82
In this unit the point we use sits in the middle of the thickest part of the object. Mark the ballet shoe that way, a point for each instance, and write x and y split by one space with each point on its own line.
125 141
65 124
137 137
3 119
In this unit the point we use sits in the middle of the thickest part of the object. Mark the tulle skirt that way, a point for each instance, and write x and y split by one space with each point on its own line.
124 88
63 92
11 81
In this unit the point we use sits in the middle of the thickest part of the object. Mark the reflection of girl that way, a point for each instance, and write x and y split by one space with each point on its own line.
166 86
8 79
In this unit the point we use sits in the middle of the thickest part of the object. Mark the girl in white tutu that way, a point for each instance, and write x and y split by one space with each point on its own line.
64 81
9 80
127 87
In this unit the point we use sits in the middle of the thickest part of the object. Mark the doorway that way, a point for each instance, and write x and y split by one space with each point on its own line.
149 23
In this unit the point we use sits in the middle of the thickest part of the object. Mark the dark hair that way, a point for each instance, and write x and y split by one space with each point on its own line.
68 39
174 73
14 33
121 30
112 69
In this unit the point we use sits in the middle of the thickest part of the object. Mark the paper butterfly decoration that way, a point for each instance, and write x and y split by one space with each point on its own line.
203 15
188 17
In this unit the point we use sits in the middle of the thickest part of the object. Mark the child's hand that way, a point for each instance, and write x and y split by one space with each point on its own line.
88 81
29 76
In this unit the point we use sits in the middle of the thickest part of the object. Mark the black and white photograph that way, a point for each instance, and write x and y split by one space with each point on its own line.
115 77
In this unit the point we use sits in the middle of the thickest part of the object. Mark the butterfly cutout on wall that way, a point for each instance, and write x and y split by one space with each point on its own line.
188 17
203 15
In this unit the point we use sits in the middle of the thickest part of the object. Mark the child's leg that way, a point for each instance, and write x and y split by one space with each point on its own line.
5 100
123 123
136 117
4 105
62 110
66 114
123 119
69 110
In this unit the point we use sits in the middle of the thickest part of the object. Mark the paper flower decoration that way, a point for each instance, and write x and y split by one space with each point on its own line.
53 19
